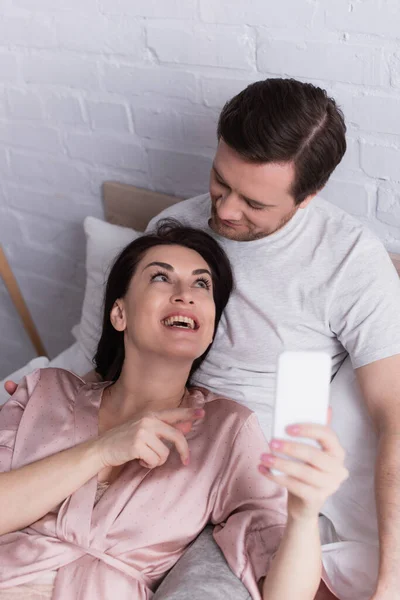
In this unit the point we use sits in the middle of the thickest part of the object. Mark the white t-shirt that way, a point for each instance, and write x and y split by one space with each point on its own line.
322 282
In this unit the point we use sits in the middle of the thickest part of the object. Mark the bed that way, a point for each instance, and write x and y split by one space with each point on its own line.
125 206
128 208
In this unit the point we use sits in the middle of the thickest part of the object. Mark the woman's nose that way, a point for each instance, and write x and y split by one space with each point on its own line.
183 296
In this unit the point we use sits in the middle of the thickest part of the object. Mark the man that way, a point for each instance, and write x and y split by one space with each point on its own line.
308 277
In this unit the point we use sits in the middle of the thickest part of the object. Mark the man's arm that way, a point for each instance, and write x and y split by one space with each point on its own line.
380 385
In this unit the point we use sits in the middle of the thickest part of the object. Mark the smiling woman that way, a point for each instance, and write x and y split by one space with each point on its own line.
174 272
98 531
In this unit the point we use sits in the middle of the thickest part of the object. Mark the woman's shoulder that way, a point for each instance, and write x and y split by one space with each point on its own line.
56 378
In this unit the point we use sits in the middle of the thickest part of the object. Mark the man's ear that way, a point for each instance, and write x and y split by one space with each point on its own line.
307 200
117 315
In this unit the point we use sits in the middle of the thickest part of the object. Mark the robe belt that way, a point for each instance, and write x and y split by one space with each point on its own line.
116 563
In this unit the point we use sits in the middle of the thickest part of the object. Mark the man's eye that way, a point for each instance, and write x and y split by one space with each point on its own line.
255 206
221 183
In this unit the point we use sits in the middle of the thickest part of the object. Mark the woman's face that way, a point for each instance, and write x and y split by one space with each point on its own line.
169 307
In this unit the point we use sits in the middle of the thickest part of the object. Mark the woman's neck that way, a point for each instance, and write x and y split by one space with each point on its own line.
147 383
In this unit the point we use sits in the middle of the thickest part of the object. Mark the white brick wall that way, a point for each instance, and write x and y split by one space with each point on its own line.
130 90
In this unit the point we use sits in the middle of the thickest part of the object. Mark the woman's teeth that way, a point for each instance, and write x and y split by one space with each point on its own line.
180 321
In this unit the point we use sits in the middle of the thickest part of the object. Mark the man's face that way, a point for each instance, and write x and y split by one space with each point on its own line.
249 201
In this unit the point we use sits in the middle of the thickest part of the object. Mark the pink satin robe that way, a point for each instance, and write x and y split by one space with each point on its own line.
124 545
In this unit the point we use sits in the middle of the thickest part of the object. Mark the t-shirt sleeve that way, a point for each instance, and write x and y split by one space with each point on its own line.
10 417
249 511
365 307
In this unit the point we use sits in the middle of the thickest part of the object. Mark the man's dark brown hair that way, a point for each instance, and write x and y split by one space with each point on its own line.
284 120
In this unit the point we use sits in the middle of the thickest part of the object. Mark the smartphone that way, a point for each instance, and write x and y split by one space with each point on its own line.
302 392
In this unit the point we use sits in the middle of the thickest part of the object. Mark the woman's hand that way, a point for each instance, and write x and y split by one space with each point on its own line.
149 438
318 475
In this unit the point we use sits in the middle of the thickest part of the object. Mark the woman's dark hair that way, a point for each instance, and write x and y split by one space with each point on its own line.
110 354
284 120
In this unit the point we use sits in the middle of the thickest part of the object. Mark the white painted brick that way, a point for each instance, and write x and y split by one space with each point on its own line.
153 80
106 150
27 32
64 109
395 70
351 159
76 6
45 261
365 17
10 226
24 105
66 206
349 63
15 355
30 136
106 115
217 91
3 163
351 197
200 130
377 113
209 45
49 173
68 71
101 35
158 124
169 9
3 109
100 174
56 324
388 209
8 67
58 293
182 174
65 239
258 12
380 161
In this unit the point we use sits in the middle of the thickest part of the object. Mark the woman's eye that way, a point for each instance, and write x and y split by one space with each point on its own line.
160 277
203 283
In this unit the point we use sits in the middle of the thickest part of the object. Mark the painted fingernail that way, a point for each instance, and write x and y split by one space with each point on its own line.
199 412
269 459
293 429
263 470
276 444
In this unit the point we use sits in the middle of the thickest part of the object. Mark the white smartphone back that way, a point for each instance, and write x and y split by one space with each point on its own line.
302 391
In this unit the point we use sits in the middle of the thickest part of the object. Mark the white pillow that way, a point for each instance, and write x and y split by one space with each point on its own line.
103 243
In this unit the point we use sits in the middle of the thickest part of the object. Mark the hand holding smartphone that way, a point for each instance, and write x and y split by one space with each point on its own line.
302 392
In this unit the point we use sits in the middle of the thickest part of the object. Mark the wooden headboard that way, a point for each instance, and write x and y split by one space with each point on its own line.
134 207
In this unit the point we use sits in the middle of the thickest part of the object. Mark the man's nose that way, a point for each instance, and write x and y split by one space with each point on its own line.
228 208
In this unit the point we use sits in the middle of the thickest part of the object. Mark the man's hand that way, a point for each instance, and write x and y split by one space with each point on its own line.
10 387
